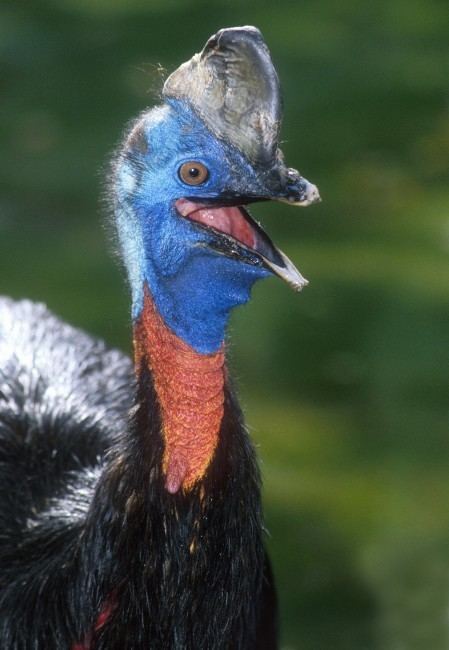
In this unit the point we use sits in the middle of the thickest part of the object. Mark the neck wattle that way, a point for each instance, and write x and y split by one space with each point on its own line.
190 391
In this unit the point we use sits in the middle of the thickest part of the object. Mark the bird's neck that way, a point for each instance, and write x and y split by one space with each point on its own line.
190 391
181 567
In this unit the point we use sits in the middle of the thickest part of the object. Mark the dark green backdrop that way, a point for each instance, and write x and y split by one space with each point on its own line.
345 385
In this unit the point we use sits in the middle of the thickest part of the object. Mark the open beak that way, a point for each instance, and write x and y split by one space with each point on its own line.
233 86
238 235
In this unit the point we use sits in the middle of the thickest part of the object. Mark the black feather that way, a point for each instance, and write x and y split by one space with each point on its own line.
85 519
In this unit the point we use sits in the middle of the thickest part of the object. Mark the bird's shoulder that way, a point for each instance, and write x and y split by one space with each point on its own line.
50 368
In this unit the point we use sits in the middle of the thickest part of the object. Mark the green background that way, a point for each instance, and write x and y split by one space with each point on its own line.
344 385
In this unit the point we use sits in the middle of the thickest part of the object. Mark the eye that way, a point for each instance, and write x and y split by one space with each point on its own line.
193 173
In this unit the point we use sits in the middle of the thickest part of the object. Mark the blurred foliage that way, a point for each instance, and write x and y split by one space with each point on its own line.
345 386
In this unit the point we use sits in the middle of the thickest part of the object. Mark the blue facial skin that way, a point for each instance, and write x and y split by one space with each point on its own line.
193 286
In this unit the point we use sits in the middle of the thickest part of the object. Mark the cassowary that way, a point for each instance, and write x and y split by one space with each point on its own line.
130 512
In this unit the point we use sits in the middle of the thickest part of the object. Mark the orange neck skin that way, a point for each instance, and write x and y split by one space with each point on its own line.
190 390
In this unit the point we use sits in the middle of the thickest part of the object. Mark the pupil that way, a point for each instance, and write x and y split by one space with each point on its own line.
194 172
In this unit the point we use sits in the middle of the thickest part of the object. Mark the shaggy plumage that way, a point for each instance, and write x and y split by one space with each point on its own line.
93 523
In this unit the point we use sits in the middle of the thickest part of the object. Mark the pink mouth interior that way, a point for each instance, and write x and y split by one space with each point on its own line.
228 220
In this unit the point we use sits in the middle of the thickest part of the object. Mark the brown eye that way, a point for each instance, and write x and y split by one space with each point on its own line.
193 173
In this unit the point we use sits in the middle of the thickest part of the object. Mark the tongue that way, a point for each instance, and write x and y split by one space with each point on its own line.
228 220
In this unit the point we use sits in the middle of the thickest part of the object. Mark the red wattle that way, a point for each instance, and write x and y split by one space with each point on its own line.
190 390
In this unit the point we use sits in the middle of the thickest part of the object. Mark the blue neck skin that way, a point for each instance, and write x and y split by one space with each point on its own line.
194 287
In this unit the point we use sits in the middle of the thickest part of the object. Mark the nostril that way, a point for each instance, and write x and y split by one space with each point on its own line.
293 176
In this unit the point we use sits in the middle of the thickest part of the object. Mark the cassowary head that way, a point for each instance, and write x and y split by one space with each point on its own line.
182 177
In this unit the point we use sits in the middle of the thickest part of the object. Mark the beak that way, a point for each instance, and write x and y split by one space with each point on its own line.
281 183
236 234
292 188
278 183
